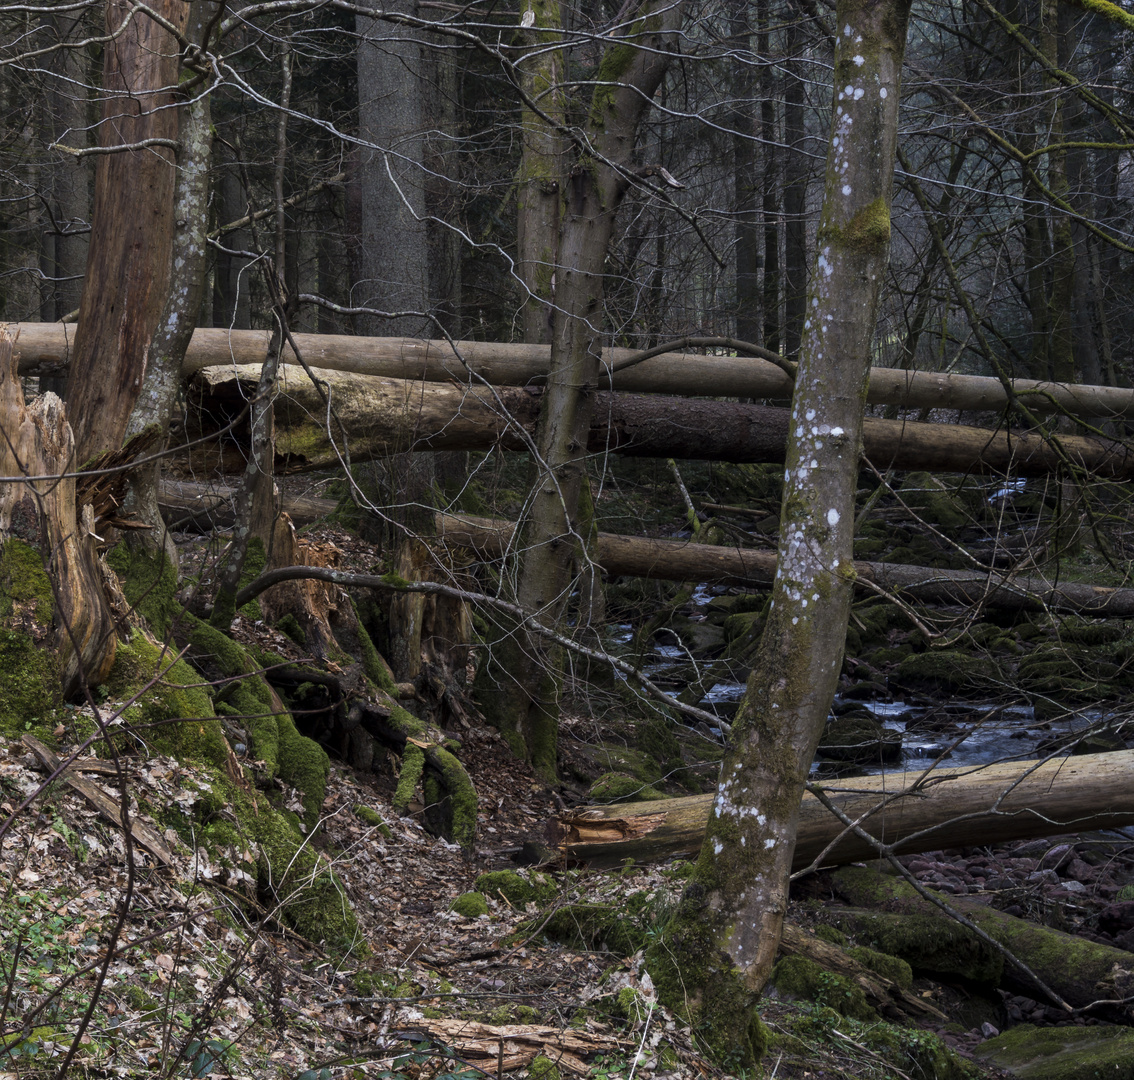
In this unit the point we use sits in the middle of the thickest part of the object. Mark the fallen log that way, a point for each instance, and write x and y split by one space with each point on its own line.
385 416
189 504
676 560
44 350
950 808
1081 972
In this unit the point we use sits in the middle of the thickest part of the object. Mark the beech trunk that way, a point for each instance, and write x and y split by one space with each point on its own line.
732 913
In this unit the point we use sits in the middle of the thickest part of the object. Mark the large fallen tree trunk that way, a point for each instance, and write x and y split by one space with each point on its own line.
1080 971
44 350
675 560
951 808
384 416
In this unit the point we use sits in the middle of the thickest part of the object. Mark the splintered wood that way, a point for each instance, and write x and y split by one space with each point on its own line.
496 1048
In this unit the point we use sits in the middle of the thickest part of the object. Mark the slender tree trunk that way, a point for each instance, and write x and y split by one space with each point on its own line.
746 232
162 381
795 193
132 226
731 916
539 186
523 702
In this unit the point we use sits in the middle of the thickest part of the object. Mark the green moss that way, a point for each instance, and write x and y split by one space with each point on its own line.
868 232
291 876
518 890
948 669
174 713
1062 1053
889 967
31 689
615 787
149 584
801 978
598 927
830 934
543 1068
372 818
289 625
470 905
413 762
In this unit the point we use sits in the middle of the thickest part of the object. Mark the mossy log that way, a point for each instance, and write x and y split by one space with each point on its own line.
44 351
675 560
384 416
1082 972
890 999
950 808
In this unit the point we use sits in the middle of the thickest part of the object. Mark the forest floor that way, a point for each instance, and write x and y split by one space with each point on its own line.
196 987
206 980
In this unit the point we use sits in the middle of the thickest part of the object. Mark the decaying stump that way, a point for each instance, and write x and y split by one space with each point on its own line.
364 696
53 605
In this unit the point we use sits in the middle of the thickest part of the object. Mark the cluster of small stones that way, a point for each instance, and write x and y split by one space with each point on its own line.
1039 872
1056 873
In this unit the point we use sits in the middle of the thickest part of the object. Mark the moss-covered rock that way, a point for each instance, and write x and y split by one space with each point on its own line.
889 967
803 979
613 787
470 904
516 889
1062 1053
621 930
860 737
948 670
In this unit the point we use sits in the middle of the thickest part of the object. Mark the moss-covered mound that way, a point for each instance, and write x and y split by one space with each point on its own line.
860 737
1062 1053
803 979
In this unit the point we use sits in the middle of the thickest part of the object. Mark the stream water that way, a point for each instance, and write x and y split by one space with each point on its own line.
961 733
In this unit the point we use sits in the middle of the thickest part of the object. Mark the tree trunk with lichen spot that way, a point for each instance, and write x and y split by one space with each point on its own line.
718 951
520 692
132 224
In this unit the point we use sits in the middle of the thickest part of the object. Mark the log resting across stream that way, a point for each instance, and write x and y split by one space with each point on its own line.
948 808
44 349
380 416
677 560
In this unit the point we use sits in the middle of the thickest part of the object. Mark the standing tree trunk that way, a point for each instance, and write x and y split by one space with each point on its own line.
132 225
540 182
726 930
523 702
795 192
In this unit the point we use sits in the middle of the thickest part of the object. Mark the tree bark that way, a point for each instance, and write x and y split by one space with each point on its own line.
383 416
733 911
676 560
43 349
539 184
951 808
44 532
521 687
132 224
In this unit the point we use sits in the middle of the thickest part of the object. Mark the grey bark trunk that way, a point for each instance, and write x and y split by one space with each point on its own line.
733 912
